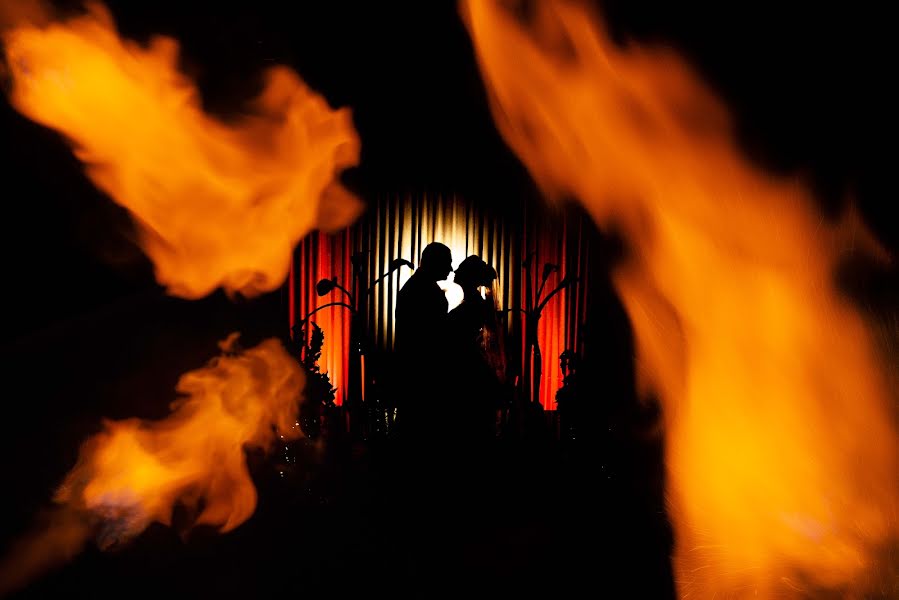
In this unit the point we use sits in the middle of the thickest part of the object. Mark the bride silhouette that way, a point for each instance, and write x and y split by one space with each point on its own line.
475 353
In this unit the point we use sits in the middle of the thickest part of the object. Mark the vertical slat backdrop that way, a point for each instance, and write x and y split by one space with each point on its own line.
400 227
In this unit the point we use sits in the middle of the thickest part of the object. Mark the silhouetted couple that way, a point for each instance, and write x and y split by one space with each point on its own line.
445 419
450 362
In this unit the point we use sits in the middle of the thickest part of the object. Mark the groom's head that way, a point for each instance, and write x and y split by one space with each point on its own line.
436 261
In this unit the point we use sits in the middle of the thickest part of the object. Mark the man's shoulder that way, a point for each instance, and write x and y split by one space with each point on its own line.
418 285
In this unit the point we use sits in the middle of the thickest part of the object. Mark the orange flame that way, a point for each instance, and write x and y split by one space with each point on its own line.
216 204
138 470
781 448
134 472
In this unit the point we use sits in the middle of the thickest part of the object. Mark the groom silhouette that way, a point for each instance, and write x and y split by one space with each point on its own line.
420 343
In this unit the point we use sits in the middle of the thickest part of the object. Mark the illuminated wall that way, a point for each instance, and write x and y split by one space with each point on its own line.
401 226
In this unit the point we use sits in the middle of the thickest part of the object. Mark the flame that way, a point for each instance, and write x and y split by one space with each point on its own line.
135 472
217 204
138 470
781 448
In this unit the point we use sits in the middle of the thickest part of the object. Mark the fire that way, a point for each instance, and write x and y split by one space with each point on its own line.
135 472
781 445
217 204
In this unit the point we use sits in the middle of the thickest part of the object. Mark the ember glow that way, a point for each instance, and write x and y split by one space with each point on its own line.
781 448
135 472
217 204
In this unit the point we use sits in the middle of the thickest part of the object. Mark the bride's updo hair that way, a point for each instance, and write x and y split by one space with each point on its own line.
474 272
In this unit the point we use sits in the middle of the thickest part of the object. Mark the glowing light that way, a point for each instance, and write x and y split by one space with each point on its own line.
454 293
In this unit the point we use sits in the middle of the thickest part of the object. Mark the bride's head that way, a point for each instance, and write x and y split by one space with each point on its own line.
474 273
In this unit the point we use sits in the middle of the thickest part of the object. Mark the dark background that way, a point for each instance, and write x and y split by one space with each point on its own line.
87 333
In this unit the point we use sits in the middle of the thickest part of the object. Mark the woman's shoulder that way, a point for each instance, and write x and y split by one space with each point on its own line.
466 317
